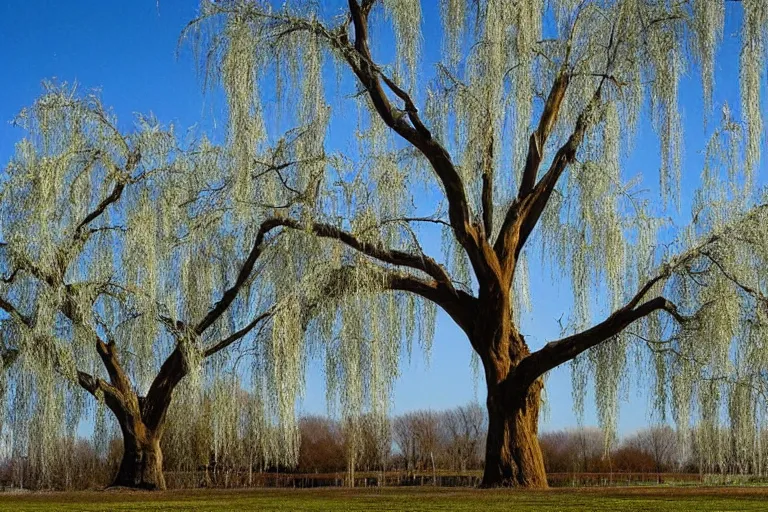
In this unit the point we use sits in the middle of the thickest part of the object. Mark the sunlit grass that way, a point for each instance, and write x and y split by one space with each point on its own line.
654 498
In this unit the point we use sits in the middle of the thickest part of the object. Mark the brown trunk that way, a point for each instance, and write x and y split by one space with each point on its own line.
512 453
142 463
141 418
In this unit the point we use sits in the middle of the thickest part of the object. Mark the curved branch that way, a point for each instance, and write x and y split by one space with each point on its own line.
133 160
557 352
242 277
95 386
460 305
224 343
419 262
360 60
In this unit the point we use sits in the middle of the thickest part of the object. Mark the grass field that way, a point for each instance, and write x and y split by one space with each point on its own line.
629 499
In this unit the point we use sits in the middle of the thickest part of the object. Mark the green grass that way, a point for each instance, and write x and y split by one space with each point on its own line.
623 500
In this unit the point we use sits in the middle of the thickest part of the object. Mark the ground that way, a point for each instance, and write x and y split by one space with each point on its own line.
699 499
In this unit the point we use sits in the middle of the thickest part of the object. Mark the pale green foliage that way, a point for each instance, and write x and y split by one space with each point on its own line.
597 230
164 239
330 301
753 54
354 328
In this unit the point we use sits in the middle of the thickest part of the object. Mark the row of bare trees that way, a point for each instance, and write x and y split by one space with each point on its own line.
583 450
422 441
418 442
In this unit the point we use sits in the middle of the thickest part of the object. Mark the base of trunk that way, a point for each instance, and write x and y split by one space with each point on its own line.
513 456
141 467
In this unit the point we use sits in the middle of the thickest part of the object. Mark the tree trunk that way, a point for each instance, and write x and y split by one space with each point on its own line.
142 463
512 453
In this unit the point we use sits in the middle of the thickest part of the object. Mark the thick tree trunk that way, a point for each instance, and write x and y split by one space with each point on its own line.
512 453
141 418
513 456
142 463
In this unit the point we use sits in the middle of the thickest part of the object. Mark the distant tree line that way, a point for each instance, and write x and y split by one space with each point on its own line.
422 442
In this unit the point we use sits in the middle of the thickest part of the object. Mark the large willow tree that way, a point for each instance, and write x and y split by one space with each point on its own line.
521 128
125 271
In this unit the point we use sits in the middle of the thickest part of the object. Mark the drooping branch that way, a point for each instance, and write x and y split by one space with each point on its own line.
242 277
557 352
133 160
460 305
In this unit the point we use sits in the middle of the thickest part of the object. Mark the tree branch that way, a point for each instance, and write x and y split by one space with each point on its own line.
362 65
9 308
487 193
541 134
242 277
557 352
133 159
527 210
226 342
419 262
112 397
158 399
460 305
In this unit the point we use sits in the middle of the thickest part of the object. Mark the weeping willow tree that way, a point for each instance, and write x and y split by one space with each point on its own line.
127 273
527 118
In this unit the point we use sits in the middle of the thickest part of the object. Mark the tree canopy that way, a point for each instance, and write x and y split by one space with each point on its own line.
521 127
346 149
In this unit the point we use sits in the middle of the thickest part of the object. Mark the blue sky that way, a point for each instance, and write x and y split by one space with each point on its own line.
128 51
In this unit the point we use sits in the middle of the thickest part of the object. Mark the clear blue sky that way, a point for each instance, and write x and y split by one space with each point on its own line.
128 50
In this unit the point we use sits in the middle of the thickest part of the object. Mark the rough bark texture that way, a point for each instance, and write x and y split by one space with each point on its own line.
512 453
141 419
142 463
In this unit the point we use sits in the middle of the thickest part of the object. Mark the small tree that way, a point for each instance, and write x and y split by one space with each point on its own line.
464 427
322 447
521 138
660 444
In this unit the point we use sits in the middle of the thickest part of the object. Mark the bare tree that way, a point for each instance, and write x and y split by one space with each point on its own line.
660 443
464 427
578 450
418 437
322 445
405 439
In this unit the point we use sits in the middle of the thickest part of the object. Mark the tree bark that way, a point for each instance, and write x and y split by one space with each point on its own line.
141 419
513 456
142 464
